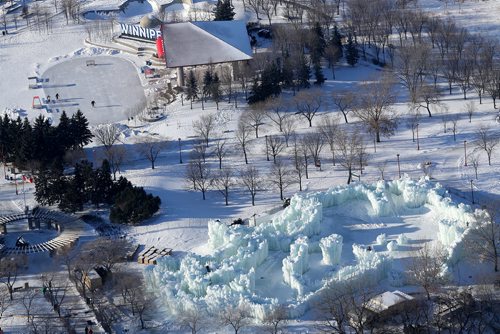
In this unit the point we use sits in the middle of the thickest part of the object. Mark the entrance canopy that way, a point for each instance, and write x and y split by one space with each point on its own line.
206 42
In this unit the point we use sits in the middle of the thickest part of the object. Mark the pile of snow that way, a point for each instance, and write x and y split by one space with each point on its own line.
227 276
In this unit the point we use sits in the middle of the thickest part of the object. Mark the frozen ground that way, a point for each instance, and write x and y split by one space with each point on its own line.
114 96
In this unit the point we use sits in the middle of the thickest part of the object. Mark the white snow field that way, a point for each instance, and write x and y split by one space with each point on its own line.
322 238
113 84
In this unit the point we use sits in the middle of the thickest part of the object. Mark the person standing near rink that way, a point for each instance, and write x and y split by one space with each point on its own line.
92 103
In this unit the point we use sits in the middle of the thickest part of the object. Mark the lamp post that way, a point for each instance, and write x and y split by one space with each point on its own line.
465 153
418 141
399 167
180 151
267 150
472 191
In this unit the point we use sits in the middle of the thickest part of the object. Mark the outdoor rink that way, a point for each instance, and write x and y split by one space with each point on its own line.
113 84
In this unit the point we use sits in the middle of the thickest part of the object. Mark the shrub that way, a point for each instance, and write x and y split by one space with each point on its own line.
133 205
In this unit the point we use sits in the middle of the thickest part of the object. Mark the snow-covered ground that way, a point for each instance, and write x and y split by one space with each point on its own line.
182 223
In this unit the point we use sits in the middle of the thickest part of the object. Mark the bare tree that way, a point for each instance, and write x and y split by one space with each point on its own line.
427 95
375 110
412 121
470 108
200 150
5 301
299 163
454 129
411 66
28 301
289 126
220 150
242 134
276 111
426 267
343 307
474 161
194 320
116 156
254 117
308 103
276 318
235 316
275 145
57 287
150 148
344 101
223 181
9 268
106 254
381 168
255 6
205 126
486 141
199 175
349 146
107 134
281 176
485 238
328 128
81 267
315 143
251 179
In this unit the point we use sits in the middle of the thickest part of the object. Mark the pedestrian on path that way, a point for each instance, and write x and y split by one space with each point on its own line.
57 96
92 103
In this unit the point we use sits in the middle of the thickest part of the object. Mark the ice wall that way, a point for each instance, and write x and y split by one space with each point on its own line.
296 264
331 248
238 251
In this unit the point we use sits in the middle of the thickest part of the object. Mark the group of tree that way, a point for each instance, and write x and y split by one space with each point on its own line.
36 146
223 11
129 204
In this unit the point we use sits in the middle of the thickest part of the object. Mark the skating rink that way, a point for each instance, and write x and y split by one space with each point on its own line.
113 84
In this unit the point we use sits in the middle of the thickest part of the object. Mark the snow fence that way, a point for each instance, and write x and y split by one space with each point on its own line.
227 277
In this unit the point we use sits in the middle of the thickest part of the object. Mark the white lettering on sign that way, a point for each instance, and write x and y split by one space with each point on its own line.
137 31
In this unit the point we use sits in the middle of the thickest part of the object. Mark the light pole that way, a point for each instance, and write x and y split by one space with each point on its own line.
267 150
465 153
180 151
399 167
472 191
418 142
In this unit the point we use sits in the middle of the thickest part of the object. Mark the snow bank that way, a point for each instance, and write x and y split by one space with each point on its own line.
227 276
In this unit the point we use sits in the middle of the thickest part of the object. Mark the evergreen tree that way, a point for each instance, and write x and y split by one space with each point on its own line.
318 73
102 191
255 93
223 11
215 90
64 135
133 205
287 73
336 38
207 83
24 144
80 130
351 52
304 73
191 88
318 43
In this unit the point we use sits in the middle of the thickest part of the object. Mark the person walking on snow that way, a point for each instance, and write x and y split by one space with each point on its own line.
92 103
57 96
